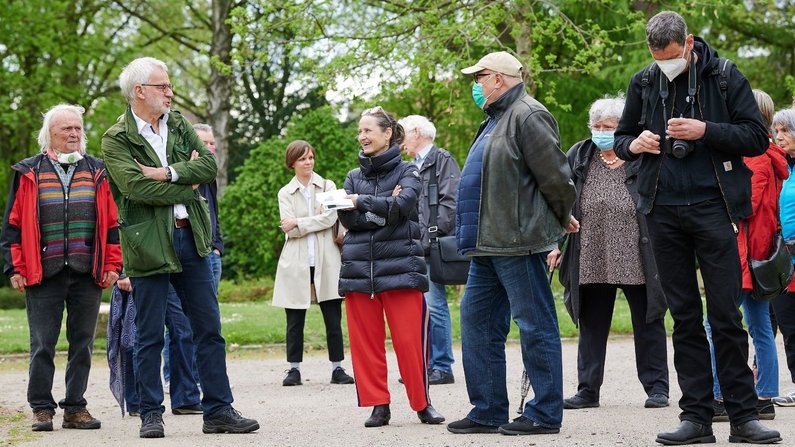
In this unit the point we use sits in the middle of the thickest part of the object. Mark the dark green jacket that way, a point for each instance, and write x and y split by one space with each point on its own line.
146 206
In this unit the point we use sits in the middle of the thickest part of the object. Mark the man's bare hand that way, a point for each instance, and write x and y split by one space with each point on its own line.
573 226
647 141
109 278
125 284
686 129
18 282
553 259
158 174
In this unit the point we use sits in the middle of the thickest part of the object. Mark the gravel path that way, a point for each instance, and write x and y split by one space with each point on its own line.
321 414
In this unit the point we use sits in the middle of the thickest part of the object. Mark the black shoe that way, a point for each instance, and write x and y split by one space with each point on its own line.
339 376
152 426
525 426
656 400
430 416
687 433
753 432
229 420
380 416
765 409
437 377
468 426
577 402
187 409
292 378
719 413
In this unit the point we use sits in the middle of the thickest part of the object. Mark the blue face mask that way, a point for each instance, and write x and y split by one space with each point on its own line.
602 139
477 94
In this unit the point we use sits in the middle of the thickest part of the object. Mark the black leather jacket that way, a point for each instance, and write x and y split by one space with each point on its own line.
526 189
385 255
734 130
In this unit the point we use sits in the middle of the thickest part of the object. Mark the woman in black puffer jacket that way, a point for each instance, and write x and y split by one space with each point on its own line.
383 270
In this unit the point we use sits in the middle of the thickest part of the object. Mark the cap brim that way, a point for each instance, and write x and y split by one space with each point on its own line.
472 69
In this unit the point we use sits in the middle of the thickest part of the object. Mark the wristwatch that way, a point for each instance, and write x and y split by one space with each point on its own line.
168 174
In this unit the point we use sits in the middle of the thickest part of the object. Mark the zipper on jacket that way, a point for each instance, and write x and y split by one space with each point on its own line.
723 196
65 226
372 260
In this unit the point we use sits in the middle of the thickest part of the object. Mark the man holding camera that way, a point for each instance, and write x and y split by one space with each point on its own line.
690 118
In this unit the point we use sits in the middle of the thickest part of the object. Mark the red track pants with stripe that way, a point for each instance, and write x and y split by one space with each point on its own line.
407 317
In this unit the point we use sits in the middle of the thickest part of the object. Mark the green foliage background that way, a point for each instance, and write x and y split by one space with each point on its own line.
249 210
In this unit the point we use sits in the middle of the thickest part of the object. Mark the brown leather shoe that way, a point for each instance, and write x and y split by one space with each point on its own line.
80 419
43 420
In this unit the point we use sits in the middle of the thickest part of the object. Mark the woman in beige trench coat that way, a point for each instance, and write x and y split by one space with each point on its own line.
309 265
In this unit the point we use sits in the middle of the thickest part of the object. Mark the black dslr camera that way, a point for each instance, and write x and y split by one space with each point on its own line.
677 148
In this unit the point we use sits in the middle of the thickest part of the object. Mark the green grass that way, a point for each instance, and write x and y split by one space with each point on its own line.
259 323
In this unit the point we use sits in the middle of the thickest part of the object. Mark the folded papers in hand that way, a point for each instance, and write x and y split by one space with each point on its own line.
333 200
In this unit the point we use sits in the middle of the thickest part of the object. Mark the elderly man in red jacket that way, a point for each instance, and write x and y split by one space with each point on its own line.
60 246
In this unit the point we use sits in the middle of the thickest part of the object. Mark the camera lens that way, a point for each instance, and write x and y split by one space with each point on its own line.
680 148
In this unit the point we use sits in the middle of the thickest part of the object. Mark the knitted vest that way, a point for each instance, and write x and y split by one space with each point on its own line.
67 218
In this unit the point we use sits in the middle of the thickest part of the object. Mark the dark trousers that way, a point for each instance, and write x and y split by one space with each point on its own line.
45 305
784 310
196 292
332 317
596 314
679 235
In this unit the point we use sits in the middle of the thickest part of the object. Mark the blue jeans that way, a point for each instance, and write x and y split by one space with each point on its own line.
440 327
195 290
179 355
45 304
215 266
757 318
498 288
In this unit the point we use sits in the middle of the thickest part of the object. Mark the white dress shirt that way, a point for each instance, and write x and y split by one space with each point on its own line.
311 238
158 142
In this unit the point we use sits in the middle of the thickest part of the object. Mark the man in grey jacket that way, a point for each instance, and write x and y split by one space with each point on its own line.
514 204
418 144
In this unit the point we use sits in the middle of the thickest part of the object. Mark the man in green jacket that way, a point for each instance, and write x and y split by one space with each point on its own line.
155 163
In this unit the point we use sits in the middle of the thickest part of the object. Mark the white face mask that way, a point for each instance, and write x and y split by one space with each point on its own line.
68 159
673 67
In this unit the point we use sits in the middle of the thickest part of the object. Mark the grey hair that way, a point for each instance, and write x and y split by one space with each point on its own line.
425 126
202 127
138 72
786 119
665 28
44 133
606 108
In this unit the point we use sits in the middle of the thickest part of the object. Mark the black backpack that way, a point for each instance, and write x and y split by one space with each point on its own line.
722 70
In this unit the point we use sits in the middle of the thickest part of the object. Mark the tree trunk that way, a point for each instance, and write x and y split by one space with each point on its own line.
218 90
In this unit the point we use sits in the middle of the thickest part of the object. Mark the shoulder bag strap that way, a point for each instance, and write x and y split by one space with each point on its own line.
433 202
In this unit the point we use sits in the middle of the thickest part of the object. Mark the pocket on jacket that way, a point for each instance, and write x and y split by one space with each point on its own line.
143 246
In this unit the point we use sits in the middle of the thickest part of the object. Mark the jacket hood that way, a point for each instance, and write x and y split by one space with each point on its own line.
707 56
383 162
778 159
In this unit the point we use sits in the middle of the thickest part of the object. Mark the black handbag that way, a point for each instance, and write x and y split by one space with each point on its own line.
771 276
447 266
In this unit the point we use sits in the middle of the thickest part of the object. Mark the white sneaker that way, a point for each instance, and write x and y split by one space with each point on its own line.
787 400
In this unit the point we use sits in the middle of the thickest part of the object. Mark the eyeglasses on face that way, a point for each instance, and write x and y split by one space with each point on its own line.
161 87
477 76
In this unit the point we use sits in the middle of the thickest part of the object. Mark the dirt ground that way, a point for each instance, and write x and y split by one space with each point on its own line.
319 413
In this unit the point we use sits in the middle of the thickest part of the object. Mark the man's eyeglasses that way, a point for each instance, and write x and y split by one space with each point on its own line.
477 76
161 87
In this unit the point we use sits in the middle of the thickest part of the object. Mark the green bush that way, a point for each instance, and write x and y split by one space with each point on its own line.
11 299
259 289
249 208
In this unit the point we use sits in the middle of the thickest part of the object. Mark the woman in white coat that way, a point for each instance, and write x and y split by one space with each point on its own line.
309 265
